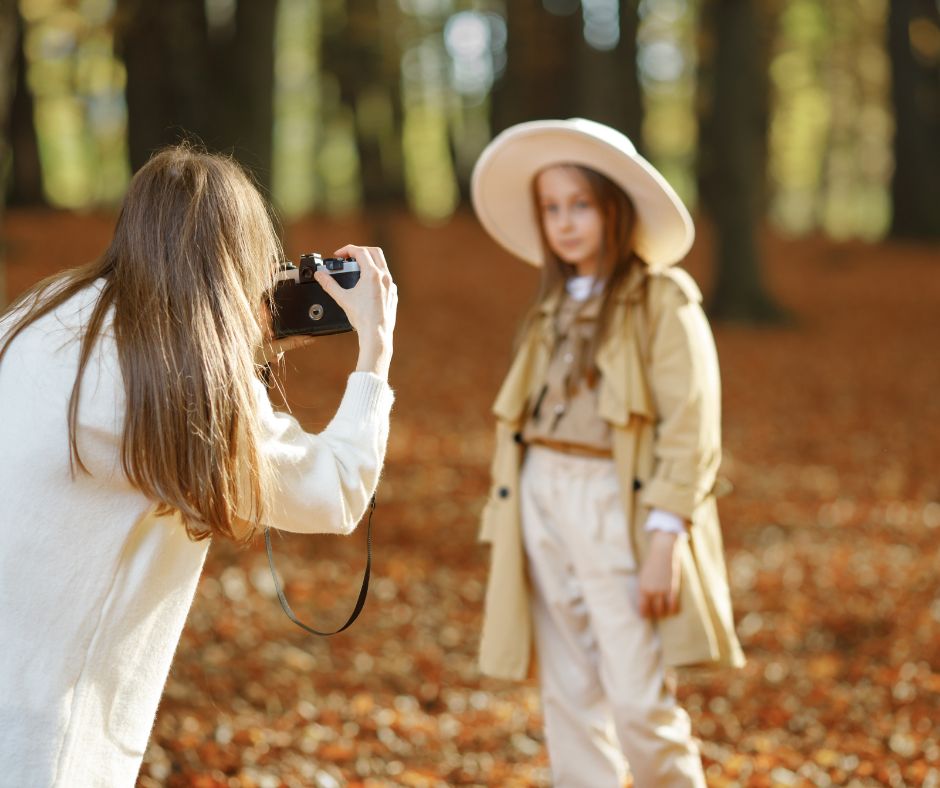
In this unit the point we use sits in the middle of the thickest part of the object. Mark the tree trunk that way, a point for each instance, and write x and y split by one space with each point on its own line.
731 160
360 51
165 50
539 81
242 82
26 176
183 83
915 185
365 63
608 84
8 47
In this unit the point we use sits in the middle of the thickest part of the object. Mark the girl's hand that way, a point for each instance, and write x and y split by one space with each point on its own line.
659 577
371 306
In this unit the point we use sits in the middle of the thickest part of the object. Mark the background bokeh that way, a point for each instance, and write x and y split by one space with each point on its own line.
805 137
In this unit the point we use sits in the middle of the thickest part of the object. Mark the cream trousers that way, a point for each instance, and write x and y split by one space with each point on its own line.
604 688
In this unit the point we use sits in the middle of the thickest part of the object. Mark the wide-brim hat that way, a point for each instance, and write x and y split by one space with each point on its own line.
501 187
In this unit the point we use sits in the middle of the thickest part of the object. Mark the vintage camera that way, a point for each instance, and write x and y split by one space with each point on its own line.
299 304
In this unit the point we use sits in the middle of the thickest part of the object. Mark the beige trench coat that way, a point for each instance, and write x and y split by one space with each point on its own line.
661 393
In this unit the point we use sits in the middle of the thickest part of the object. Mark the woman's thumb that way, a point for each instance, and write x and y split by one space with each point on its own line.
329 285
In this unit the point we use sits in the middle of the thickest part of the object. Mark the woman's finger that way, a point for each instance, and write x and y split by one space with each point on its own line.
381 263
291 343
329 284
379 256
361 255
349 250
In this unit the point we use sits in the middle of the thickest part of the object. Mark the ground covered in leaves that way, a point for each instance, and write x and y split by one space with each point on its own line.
832 433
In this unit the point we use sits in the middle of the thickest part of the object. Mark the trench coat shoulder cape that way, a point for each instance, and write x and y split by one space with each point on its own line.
660 391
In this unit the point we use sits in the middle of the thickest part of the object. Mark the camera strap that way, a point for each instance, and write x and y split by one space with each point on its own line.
363 591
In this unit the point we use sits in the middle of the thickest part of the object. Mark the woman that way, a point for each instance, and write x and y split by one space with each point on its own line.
606 548
134 427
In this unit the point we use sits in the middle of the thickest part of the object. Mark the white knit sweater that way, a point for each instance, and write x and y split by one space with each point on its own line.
94 588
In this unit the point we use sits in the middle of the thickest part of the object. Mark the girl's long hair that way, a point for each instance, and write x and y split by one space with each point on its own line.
617 255
193 254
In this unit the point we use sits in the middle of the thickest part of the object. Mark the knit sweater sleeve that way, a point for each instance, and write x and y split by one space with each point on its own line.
326 480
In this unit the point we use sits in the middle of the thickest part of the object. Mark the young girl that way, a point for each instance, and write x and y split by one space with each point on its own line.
606 548
133 427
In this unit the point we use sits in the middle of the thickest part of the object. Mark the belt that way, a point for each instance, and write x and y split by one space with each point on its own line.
576 449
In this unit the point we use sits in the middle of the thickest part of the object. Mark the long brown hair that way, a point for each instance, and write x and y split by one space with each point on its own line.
193 253
617 253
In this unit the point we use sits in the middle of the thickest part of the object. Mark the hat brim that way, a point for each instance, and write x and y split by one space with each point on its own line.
501 187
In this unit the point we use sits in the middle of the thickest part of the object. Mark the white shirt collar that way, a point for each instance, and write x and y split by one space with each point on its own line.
581 288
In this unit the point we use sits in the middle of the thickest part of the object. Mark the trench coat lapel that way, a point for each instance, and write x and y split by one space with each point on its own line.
623 387
528 367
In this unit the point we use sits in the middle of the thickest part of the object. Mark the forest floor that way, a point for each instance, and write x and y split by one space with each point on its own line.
832 436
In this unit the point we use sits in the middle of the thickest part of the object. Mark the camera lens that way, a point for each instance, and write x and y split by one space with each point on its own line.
306 274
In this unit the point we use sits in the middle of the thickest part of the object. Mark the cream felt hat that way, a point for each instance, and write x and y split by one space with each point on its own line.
501 186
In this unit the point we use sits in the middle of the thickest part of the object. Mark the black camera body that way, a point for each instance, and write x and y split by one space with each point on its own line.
299 305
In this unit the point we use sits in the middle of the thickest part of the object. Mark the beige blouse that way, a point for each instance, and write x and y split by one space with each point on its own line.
565 407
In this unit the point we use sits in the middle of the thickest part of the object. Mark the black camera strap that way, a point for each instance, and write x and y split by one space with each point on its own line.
363 591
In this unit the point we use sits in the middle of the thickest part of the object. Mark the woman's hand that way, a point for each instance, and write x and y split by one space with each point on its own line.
272 349
371 306
659 577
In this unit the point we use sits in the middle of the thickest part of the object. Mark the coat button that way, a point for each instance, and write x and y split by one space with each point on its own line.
503 492
637 485
517 437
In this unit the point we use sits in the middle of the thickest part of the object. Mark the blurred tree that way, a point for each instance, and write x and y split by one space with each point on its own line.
25 177
165 48
9 43
608 83
8 46
360 54
357 52
185 77
540 80
242 79
915 82
435 123
555 69
731 156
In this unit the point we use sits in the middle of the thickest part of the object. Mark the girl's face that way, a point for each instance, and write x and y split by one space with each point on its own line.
571 217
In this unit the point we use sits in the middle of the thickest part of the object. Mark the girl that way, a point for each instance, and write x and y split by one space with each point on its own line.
134 427
606 548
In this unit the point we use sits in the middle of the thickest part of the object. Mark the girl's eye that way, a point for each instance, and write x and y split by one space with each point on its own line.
582 205
550 208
